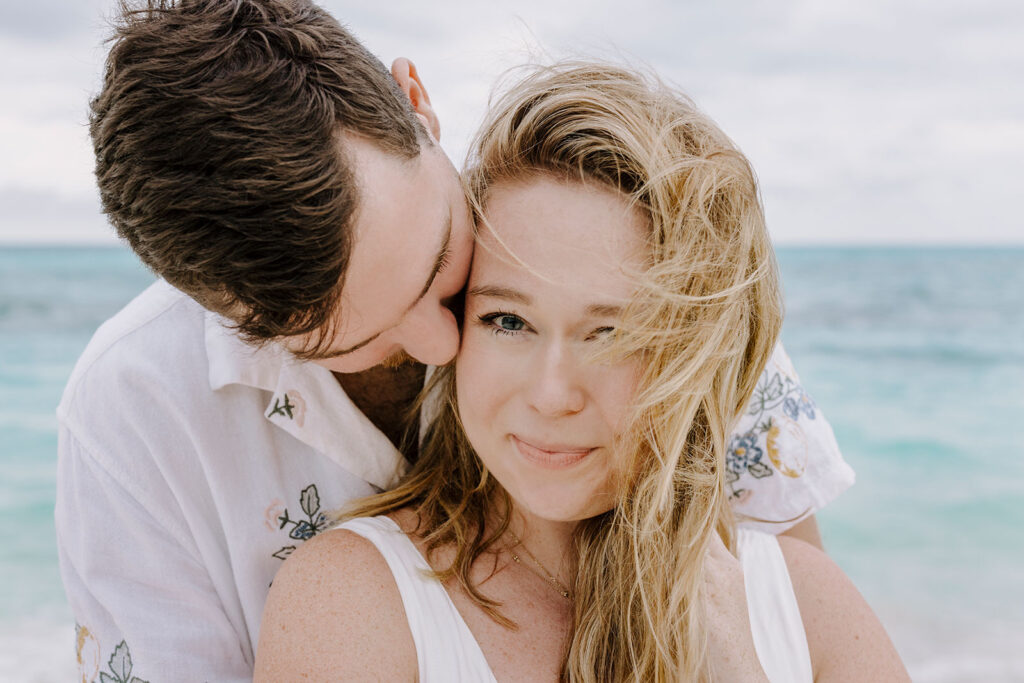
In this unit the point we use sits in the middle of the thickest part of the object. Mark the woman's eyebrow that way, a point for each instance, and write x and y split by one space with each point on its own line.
500 293
605 311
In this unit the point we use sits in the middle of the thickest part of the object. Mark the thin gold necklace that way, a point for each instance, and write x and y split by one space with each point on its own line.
559 586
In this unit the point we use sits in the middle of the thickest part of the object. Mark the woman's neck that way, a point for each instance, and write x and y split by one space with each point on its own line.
548 542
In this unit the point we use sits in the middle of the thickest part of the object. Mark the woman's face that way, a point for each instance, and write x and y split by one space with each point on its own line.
539 411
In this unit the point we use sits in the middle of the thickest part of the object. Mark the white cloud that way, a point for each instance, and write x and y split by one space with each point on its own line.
875 120
52 156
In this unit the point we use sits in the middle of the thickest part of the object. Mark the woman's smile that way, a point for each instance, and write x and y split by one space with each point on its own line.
550 456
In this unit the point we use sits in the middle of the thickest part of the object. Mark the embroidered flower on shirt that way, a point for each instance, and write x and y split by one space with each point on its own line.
745 454
270 515
787 447
793 407
775 391
303 529
120 665
87 653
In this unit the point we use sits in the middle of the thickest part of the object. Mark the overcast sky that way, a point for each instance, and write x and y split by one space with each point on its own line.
868 121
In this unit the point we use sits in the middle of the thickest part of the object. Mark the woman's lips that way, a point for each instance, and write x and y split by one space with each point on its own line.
551 456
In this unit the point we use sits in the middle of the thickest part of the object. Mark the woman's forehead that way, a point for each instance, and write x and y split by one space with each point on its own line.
559 234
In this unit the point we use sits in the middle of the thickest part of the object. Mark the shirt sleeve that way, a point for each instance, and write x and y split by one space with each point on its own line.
783 463
144 606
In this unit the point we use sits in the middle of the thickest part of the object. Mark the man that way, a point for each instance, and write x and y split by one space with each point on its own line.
309 233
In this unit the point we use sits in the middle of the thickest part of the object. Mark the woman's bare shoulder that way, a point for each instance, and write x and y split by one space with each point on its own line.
334 612
846 639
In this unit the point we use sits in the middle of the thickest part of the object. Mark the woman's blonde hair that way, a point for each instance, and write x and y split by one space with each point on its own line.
704 320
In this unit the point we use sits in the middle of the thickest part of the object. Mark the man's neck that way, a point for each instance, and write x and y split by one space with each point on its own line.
386 396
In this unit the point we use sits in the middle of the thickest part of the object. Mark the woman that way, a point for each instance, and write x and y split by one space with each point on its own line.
567 517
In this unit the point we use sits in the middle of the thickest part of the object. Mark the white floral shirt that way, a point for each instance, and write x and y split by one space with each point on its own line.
191 465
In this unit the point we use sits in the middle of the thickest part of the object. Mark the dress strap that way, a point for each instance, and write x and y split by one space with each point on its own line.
778 630
446 649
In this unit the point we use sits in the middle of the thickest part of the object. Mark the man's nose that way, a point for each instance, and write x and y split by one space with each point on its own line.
555 388
430 333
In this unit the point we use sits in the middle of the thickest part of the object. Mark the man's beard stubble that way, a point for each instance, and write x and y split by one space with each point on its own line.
397 360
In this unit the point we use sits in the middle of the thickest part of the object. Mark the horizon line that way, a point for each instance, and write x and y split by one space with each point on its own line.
783 244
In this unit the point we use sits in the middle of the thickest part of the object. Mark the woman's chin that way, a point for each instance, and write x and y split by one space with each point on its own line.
565 508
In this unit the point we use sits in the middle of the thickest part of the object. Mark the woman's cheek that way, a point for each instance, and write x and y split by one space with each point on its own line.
618 394
471 371
488 366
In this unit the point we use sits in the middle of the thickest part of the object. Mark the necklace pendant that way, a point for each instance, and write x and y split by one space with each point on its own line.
555 583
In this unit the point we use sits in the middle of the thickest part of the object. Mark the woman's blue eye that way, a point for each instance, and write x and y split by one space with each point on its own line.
503 323
510 323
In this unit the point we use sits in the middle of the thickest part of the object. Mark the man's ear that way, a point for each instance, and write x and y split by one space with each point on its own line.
409 81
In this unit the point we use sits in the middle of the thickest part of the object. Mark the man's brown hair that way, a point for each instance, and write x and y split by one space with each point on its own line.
219 157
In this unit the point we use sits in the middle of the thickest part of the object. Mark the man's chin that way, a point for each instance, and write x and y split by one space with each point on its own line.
397 360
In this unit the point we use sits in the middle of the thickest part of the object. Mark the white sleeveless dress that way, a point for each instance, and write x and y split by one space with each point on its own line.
447 652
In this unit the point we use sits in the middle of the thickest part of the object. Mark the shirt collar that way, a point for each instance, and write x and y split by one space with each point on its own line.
233 361
306 401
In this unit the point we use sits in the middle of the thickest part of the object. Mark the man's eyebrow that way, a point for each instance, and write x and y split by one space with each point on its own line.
500 293
439 261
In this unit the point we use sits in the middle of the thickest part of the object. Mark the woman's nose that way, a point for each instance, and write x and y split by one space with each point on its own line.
555 389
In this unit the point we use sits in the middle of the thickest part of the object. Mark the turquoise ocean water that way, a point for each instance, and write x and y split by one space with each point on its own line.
916 356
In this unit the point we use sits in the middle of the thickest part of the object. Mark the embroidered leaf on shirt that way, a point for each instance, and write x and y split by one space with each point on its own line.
284 409
303 529
121 662
774 388
310 500
284 552
120 665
